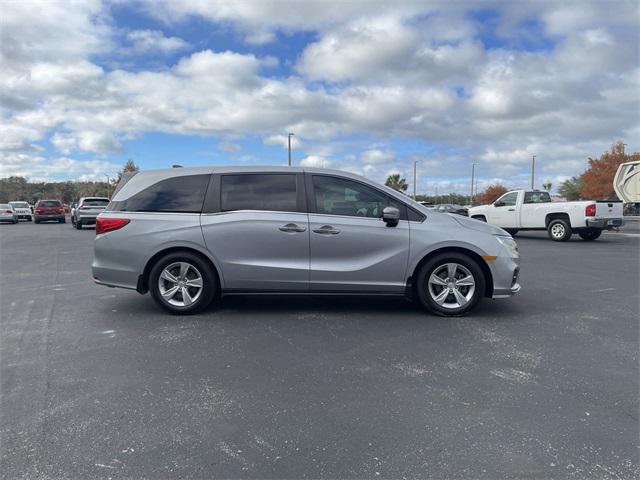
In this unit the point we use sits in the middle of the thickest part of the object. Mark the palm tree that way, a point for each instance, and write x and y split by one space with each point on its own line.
397 182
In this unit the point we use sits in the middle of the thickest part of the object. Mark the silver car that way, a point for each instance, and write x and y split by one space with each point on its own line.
189 235
86 210
7 214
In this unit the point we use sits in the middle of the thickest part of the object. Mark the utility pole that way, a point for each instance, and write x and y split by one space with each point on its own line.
415 177
473 172
289 138
533 170
108 192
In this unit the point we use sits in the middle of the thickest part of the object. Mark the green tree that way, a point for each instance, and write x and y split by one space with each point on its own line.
397 182
570 189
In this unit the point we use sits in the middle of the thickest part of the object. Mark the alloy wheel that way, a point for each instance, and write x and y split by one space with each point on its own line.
451 285
180 284
557 230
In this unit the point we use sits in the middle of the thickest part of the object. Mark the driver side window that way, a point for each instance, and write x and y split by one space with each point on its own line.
509 199
337 196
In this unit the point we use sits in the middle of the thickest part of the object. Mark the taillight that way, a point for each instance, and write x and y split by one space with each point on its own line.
104 225
590 210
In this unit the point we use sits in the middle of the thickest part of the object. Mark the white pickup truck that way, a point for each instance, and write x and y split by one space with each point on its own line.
533 210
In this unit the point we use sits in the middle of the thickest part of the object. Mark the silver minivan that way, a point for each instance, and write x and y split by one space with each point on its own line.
190 235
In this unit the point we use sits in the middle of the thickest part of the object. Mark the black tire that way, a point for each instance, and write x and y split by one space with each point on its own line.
78 225
482 218
559 230
590 235
37 221
63 220
209 283
437 263
512 231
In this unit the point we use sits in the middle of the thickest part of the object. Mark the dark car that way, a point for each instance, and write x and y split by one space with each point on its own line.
46 210
450 208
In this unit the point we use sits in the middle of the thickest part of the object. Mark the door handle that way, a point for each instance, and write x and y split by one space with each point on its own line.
512 209
326 230
291 227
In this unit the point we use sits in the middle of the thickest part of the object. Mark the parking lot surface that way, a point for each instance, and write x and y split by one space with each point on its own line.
98 382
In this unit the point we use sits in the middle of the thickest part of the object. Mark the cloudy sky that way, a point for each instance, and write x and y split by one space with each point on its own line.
367 86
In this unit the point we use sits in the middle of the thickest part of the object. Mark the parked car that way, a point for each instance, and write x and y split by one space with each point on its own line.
7 214
428 205
188 235
450 208
534 210
46 210
22 210
86 210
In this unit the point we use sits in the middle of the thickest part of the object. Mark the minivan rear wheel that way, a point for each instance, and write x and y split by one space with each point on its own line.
450 284
182 283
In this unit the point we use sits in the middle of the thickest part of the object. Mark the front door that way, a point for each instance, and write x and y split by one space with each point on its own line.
351 248
506 216
258 231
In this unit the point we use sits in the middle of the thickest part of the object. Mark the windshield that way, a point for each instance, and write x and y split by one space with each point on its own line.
49 203
4 206
95 202
19 204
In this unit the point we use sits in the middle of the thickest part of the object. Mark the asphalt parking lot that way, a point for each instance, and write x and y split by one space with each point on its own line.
98 382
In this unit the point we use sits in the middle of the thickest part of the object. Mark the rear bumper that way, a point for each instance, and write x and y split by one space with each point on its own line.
86 219
57 216
605 223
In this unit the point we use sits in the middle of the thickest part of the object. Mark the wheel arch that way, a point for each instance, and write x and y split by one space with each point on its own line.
488 276
143 279
556 216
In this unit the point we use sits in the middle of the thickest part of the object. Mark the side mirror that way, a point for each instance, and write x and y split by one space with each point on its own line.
391 216
499 204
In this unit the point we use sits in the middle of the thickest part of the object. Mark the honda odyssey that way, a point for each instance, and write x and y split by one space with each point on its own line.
190 235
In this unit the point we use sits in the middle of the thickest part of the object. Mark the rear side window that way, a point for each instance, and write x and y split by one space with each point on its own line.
49 203
537 197
267 191
182 194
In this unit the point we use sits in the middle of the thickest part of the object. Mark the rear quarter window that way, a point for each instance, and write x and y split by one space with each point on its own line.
181 194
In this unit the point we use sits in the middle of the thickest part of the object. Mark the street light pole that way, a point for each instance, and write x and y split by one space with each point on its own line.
108 192
533 170
473 172
289 139
415 177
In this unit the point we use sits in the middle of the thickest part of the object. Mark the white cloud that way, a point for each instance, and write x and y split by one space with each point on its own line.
144 41
40 168
229 147
315 161
377 157
385 71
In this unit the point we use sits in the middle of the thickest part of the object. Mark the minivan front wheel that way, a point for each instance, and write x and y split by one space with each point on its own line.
450 284
182 283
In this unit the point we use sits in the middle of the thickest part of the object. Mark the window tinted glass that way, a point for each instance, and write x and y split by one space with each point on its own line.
177 194
537 197
95 202
259 191
510 199
49 203
338 196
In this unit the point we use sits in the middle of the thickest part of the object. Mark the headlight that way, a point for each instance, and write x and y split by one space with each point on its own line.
510 244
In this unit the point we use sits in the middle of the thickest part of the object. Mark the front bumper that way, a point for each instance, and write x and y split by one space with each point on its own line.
506 276
605 223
